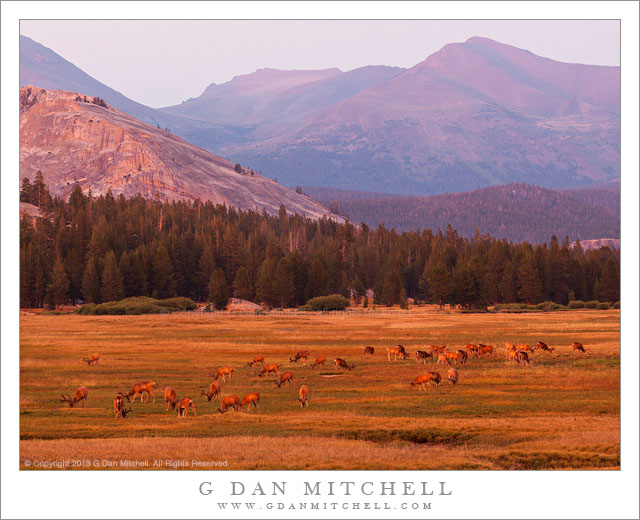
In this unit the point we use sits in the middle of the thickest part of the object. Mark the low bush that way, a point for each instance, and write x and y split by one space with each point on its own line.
576 304
333 302
616 305
138 305
603 306
592 304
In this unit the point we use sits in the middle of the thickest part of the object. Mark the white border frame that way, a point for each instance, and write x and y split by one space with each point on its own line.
575 494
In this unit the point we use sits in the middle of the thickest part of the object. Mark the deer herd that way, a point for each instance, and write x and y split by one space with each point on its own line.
520 354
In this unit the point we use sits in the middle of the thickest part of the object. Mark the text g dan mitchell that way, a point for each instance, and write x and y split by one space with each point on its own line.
327 488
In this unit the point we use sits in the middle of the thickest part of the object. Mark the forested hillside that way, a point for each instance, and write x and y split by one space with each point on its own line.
513 211
104 248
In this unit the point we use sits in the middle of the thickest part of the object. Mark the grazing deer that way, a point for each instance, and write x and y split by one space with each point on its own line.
170 397
256 360
541 345
118 404
522 357
451 356
471 348
442 358
231 401
319 361
269 369
183 405
223 372
252 399
452 375
139 388
435 349
578 346
512 355
303 354
509 347
94 359
285 379
422 356
214 391
80 395
304 396
369 351
461 356
485 349
526 348
341 363
395 352
426 379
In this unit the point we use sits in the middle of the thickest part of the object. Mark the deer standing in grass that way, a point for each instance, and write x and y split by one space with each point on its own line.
541 345
395 352
93 359
319 361
578 346
214 391
303 354
435 349
452 375
252 399
461 356
442 358
231 401
485 349
285 379
80 395
269 370
471 348
256 360
426 379
118 404
422 356
526 348
223 372
341 363
304 396
183 405
140 388
369 351
170 397
522 357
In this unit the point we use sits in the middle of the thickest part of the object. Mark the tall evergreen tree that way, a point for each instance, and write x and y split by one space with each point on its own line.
391 288
610 282
530 286
58 289
319 282
112 285
91 281
163 283
465 287
285 289
218 289
265 287
440 284
242 286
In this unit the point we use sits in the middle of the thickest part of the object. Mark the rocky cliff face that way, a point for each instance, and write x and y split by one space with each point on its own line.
74 138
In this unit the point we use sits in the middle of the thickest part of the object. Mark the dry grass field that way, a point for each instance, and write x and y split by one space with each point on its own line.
562 412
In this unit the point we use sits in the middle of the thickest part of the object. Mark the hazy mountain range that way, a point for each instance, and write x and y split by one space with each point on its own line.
471 115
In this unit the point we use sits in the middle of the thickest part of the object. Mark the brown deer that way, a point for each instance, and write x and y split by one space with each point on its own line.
223 372
442 358
285 379
522 357
269 369
140 388
369 351
231 401
252 399
578 346
304 396
395 352
426 379
170 397
183 405
485 349
80 395
451 356
256 360
319 361
214 391
341 363
452 375
461 356
509 347
512 355
422 356
118 404
435 349
527 348
471 348
541 345
303 354
93 359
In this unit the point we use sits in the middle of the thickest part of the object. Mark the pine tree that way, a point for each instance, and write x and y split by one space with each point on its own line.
358 289
403 300
242 286
530 286
112 285
465 288
26 191
610 282
391 288
58 289
128 273
265 287
509 282
163 283
285 289
319 282
91 281
218 290
440 283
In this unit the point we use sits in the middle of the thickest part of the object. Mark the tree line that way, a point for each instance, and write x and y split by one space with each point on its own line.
104 248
